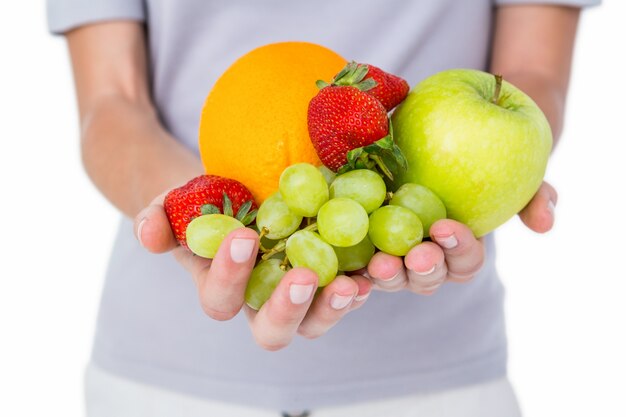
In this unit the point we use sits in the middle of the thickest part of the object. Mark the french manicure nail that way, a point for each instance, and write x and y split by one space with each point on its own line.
339 302
448 242
551 207
361 297
241 250
390 278
430 271
300 294
139 229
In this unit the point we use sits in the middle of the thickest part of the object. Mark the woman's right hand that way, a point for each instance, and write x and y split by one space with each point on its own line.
293 308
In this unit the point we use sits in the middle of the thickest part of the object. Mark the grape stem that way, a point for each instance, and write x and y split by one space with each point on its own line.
282 244
264 231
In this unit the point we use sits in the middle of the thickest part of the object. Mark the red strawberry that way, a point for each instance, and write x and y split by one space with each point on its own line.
343 118
207 194
389 89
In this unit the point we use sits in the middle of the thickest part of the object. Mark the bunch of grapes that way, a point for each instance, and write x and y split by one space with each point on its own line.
335 223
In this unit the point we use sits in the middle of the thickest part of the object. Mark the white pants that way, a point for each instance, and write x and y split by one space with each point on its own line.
108 395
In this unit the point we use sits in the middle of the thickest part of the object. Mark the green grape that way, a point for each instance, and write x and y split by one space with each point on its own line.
277 218
303 188
361 185
206 233
421 201
395 230
329 175
263 280
307 249
355 257
342 222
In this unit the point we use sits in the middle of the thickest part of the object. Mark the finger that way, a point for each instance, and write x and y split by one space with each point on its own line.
387 272
364 290
152 228
197 266
223 285
329 307
464 254
276 323
426 268
538 214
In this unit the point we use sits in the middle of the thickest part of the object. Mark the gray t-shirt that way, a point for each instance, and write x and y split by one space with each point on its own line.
151 327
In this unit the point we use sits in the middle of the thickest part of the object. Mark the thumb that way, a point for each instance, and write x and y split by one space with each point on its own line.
152 228
538 215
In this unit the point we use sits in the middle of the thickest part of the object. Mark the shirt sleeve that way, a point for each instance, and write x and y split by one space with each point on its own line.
64 15
572 3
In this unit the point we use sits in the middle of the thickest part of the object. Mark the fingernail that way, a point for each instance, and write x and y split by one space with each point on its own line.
391 278
448 242
551 207
362 297
339 302
241 250
300 294
430 271
139 229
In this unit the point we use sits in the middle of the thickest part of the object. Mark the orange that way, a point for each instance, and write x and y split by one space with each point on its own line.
254 120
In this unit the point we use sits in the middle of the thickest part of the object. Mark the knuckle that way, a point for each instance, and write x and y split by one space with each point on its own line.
271 346
461 277
217 314
309 333
429 289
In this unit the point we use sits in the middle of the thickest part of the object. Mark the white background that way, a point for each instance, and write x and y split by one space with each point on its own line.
566 298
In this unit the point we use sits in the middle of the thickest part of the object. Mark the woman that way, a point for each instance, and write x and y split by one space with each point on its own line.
142 70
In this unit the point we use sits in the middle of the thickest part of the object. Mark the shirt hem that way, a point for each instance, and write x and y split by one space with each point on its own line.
483 368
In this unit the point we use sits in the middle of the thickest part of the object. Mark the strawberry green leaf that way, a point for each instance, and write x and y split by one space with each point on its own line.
359 74
345 168
249 218
321 84
243 210
366 84
353 156
382 166
209 209
399 157
349 68
353 74
227 206
385 143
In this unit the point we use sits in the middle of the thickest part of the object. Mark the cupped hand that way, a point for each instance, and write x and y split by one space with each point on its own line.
294 307
454 254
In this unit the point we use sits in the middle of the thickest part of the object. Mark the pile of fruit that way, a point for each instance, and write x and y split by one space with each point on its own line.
363 194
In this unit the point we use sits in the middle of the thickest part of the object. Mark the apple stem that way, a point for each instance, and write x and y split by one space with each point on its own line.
496 93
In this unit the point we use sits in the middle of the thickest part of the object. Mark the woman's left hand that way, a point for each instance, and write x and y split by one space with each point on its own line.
454 254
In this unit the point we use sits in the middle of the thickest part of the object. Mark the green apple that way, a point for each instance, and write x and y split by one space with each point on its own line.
478 142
